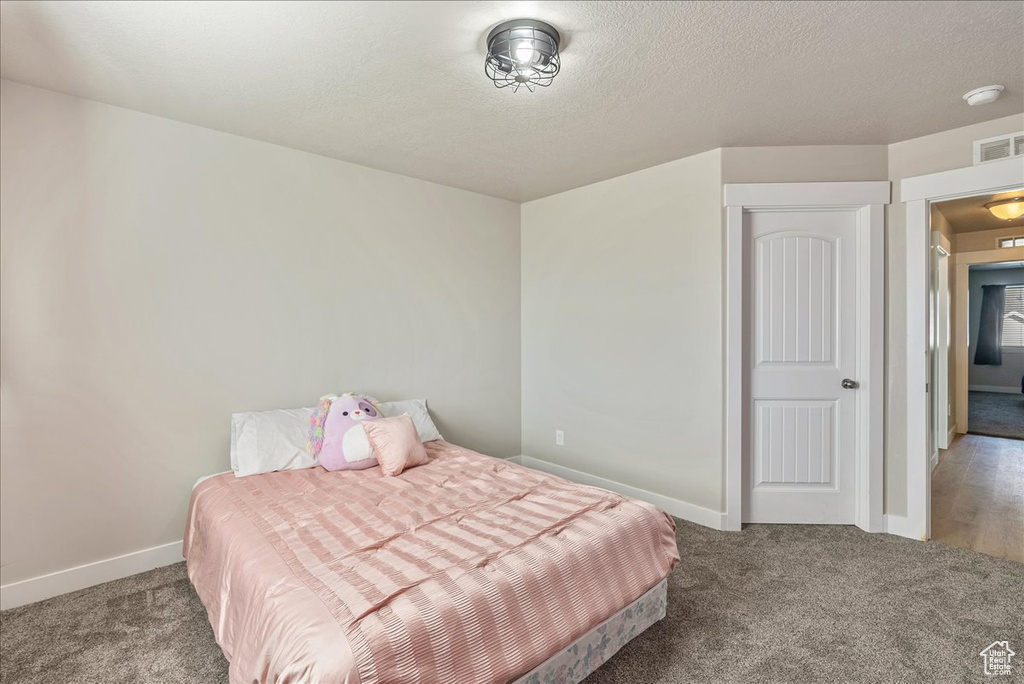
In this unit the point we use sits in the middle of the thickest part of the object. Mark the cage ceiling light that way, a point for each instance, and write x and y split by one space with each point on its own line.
522 52
1007 209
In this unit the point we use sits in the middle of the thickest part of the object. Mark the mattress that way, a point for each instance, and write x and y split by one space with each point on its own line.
466 569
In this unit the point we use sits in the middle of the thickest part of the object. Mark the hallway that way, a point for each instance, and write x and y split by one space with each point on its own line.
978 496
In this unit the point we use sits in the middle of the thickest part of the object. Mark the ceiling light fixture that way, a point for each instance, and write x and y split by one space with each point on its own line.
980 96
522 52
1007 209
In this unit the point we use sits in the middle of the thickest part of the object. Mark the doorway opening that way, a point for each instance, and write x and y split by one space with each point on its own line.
976 332
918 195
976 338
995 313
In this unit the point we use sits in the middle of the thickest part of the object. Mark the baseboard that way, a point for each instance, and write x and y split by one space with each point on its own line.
680 509
952 435
994 388
515 459
63 581
901 527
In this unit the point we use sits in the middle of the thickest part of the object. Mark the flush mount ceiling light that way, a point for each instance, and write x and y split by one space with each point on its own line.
522 52
1007 209
980 96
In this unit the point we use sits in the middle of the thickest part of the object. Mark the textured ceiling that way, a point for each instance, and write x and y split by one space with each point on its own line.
969 215
400 86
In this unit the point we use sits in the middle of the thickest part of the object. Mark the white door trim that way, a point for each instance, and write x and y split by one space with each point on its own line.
869 198
917 194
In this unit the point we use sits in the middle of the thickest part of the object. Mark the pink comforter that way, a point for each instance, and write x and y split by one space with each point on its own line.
467 569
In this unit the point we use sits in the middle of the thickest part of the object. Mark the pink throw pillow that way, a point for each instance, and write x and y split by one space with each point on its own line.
396 443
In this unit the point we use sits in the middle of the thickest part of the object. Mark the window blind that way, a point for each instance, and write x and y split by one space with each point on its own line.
1013 317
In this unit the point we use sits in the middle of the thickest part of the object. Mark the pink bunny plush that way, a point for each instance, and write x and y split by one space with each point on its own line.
336 437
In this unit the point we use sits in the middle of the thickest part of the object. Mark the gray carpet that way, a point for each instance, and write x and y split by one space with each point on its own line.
995 414
775 603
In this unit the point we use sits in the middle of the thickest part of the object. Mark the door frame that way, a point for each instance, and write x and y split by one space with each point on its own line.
869 200
962 321
917 195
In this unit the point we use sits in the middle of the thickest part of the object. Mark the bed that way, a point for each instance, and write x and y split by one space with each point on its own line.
467 569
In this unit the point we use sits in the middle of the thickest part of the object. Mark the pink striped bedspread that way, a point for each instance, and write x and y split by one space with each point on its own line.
466 569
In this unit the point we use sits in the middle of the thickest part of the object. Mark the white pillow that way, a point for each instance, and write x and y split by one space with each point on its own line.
265 441
417 410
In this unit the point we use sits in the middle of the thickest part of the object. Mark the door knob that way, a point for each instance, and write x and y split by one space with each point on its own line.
850 384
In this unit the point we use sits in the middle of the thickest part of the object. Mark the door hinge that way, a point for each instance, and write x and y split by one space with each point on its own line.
926 388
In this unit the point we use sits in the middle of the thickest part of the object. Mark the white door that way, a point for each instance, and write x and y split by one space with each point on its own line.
801 456
940 318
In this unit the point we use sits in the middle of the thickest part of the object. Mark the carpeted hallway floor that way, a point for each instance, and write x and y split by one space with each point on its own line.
775 603
995 414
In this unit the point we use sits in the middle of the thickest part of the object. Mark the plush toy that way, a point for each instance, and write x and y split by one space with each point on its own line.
336 438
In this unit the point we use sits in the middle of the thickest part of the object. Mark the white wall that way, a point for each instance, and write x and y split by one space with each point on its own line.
929 154
622 329
804 164
569 241
1008 375
157 277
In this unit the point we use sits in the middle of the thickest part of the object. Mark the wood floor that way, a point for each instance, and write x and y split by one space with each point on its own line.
978 496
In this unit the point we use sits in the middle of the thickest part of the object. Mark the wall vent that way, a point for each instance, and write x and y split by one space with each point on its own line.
1001 147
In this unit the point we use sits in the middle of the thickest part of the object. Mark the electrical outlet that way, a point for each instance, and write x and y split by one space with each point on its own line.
559 438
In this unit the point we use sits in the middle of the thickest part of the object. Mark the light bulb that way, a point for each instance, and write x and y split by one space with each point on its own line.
525 54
